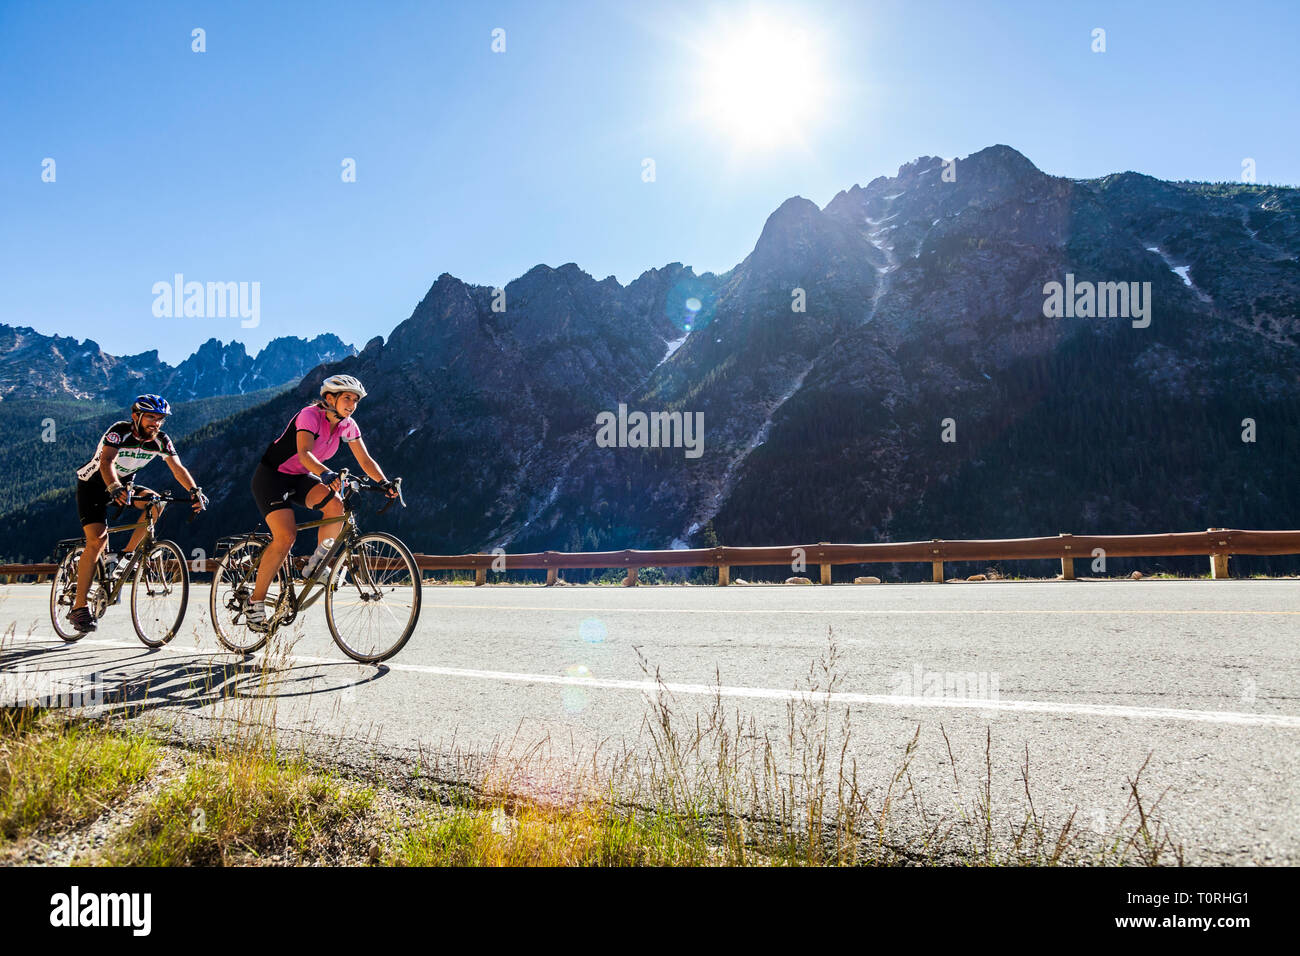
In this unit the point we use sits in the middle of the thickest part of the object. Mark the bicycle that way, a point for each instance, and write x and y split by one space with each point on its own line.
160 581
370 581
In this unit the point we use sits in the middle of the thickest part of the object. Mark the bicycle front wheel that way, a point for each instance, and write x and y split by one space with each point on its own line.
62 593
372 598
160 593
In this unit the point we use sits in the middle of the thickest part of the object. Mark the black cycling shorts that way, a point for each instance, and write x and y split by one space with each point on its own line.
273 489
93 500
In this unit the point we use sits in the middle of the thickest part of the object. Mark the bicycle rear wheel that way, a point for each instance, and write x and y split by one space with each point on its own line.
372 598
63 591
232 584
160 593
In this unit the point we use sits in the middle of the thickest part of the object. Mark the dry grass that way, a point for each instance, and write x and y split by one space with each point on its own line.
714 789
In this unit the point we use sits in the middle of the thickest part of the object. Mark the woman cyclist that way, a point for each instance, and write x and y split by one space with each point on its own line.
293 472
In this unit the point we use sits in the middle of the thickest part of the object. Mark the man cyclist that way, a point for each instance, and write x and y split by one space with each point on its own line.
293 472
123 450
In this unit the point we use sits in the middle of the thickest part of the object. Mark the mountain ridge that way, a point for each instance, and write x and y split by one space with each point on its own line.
33 364
923 301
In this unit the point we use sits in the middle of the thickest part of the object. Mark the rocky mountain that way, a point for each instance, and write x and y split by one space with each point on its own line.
32 365
483 409
54 366
217 369
888 367
925 302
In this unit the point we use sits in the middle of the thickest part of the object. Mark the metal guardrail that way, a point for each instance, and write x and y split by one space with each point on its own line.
1216 543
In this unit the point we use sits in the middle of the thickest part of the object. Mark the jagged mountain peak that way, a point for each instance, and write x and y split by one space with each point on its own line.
35 364
915 169
795 220
798 240
546 284
1004 155
794 211
670 269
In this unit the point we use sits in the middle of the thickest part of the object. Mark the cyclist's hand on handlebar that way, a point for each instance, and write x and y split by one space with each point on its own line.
198 500
120 494
390 487
331 480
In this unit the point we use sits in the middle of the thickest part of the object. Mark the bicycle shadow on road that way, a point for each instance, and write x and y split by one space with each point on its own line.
121 688
12 658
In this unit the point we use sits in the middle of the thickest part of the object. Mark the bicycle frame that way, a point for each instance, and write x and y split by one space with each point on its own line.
113 594
313 588
299 600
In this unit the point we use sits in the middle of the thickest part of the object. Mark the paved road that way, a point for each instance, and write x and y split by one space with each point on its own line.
1091 677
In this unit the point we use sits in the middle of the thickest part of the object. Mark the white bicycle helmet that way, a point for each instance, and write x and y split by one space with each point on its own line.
342 383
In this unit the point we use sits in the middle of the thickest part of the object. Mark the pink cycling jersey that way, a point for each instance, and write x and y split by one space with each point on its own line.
282 454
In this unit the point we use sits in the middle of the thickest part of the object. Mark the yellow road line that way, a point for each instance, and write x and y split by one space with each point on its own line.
813 611
686 610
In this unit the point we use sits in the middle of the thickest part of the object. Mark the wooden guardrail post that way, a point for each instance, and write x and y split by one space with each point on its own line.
1218 560
480 577
552 572
825 566
936 566
724 575
1067 562
631 578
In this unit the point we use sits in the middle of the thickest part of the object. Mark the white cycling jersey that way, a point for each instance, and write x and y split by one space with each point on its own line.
133 453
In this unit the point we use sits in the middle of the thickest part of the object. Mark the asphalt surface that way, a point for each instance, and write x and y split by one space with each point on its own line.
1090 678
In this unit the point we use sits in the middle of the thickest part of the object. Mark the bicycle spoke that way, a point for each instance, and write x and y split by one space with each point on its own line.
374 616
159 593
232 586
63 592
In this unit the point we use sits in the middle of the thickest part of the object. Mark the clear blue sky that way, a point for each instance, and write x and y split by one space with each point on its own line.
225 165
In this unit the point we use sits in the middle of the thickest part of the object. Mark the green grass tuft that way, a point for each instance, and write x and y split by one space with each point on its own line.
64 773
248 805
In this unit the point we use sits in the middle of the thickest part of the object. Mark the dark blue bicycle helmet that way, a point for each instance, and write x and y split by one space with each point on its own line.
151 403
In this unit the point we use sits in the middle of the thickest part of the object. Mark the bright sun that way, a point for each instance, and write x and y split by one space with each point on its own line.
762 82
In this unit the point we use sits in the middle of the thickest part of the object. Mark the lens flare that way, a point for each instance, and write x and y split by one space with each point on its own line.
593 630
574 699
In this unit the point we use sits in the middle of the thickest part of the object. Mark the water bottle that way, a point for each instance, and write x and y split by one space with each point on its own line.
317 557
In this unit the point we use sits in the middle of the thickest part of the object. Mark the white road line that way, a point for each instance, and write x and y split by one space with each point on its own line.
767 693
